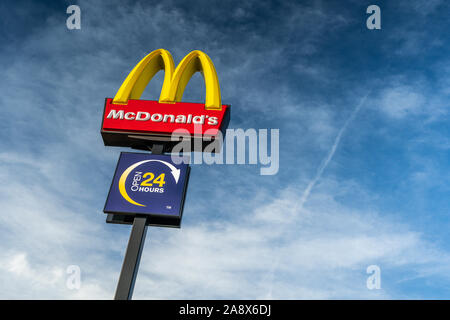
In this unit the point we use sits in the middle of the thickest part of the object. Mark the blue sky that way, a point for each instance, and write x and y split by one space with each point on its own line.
364 150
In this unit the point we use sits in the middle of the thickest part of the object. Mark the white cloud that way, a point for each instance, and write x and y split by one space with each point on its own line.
274 250
401 101
277 252
58 176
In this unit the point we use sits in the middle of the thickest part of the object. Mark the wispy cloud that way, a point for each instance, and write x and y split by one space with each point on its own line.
330 154
56 171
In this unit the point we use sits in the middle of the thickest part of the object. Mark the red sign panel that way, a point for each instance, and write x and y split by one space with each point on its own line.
144 116
142 122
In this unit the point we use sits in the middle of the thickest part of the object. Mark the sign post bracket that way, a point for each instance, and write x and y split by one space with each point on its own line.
130 266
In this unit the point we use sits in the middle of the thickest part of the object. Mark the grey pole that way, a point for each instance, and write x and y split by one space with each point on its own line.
132 258
130 265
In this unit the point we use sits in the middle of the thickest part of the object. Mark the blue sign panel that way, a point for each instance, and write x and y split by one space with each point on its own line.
148 184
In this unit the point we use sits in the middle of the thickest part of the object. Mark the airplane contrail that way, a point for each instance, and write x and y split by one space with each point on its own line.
330 154
316 178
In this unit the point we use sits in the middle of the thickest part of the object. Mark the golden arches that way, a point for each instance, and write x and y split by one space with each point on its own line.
175 80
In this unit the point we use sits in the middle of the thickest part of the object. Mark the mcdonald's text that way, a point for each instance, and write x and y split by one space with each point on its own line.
144 118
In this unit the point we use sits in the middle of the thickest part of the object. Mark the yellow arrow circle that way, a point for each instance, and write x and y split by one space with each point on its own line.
122 180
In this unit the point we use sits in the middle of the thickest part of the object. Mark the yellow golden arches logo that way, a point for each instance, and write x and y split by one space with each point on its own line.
175 80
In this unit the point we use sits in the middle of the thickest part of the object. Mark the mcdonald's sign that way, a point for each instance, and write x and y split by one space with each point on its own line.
130 122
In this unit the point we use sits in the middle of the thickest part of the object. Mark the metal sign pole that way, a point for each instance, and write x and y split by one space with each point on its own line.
130 265
133 254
